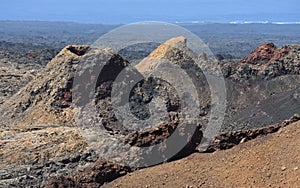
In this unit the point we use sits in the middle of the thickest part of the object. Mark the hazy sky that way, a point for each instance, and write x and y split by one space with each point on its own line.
126 11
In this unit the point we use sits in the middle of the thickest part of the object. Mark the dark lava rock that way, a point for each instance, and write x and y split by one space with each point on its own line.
230 139
94 175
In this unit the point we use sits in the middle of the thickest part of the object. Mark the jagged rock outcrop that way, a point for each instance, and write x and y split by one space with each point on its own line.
266 62
45 99
174 51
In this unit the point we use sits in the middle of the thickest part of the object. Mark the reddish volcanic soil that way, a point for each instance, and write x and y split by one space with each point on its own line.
269 161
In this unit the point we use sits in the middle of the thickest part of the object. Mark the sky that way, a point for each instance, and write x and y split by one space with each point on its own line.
128 11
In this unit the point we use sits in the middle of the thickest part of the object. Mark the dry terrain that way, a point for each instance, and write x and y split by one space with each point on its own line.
42 145
269 161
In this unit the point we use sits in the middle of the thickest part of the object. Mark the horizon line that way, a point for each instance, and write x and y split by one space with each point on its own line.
173 22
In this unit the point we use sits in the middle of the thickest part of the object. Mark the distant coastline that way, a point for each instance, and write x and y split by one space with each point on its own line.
176 22
239 22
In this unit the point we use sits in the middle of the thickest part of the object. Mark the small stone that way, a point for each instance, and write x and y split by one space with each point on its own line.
243 140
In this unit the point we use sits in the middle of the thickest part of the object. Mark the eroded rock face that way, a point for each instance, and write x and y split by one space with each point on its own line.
176 52
145 91
45 99
173 51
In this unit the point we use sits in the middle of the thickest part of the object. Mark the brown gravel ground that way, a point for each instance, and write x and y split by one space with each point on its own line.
269 161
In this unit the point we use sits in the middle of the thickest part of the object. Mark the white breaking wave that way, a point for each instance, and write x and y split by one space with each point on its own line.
262 22
280 23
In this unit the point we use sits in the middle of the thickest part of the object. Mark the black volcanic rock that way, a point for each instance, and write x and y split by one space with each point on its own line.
92 176
228 140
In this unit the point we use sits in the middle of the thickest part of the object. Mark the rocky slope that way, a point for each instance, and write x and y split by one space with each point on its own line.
263 88
269 161
41 144
93 175
35 132
38 137
17 68
44 100
37 123
266 62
